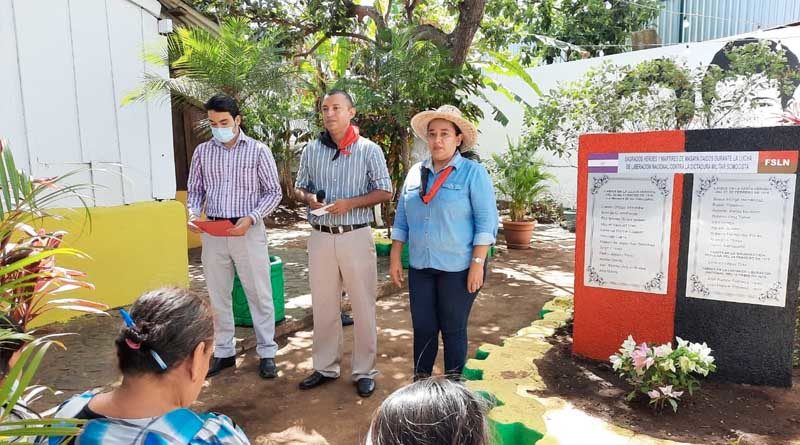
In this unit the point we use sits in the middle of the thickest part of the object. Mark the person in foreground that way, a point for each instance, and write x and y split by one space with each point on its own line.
447 214
434 411
163 352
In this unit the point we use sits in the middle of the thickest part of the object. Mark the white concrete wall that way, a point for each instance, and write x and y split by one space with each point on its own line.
493 135
65 66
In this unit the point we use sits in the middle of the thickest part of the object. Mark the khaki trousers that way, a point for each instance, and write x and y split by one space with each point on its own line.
248 254
337 261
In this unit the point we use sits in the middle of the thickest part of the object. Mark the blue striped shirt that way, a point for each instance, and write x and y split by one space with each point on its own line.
462 215
180 426
363 171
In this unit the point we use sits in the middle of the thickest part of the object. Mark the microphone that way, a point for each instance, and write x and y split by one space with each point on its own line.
320 195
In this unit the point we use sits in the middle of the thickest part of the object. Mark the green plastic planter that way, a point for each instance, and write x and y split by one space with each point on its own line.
383 249
241 312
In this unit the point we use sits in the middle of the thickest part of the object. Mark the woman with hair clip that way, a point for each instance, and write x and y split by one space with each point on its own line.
163 353
447 214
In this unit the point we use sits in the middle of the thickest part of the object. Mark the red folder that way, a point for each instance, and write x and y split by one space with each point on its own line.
215 228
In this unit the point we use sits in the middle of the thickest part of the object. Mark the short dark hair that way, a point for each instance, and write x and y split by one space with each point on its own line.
222 103
431 412
169 321
344 93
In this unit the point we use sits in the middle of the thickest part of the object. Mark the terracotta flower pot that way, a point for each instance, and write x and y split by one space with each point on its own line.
518 233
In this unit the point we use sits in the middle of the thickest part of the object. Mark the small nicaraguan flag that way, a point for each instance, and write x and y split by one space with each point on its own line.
603 162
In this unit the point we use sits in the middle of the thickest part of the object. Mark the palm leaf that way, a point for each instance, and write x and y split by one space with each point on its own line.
512 67
17 265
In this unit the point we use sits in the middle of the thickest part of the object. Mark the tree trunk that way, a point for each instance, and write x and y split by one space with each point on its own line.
285 175
470 14
406 142
469 20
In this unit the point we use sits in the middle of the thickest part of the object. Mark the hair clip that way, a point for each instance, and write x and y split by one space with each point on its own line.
129 323
127 318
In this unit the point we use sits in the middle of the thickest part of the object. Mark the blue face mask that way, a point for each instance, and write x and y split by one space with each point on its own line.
223 134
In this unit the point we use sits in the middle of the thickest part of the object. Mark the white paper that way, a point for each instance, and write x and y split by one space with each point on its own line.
739 238
628 221
321 211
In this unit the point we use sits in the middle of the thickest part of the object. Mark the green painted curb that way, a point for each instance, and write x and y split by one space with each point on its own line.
508 433
514 433
472 374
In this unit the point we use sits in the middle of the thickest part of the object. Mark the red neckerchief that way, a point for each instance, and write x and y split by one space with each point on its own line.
350 138
437 184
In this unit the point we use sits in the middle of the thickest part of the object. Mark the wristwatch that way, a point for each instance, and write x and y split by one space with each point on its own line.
477 260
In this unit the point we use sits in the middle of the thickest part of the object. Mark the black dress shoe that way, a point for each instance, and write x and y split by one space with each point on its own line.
347 320
267 368
218 364
314 380
365 386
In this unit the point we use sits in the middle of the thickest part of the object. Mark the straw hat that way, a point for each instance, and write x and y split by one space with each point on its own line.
449 113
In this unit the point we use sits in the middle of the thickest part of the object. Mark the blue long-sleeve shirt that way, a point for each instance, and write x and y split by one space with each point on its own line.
441 234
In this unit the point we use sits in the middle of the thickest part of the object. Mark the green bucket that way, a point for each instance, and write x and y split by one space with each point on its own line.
241 312
383 249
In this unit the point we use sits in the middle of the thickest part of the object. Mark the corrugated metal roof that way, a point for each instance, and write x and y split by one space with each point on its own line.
183 14
714 19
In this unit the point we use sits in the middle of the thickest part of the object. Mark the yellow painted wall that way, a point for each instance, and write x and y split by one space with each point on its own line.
133 249
192 239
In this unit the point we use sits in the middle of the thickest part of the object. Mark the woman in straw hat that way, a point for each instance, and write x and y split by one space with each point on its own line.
447 214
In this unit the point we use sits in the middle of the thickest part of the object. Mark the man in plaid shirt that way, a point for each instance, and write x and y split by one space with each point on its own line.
233 177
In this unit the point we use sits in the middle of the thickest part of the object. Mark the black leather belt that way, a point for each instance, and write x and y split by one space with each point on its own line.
232 220
338 229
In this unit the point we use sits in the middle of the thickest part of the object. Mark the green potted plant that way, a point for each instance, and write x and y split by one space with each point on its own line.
520 176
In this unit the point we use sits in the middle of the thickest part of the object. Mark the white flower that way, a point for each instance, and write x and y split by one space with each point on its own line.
628 345
667 365
616 362
663 350
686 364
654 394
668 392
703 352
681 342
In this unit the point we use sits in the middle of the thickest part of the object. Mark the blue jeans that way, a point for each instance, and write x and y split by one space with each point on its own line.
440 302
